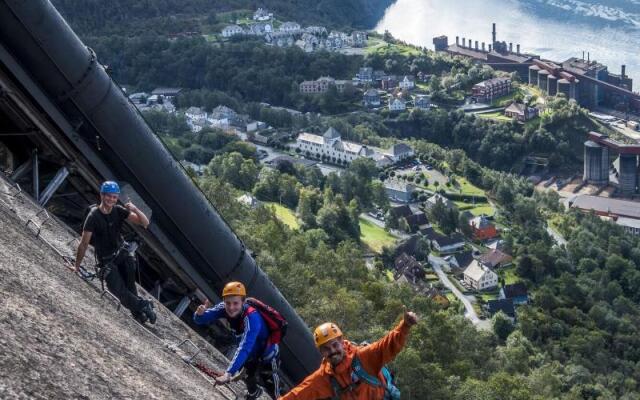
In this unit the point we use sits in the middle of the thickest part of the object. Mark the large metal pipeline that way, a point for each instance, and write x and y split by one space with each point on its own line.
105 122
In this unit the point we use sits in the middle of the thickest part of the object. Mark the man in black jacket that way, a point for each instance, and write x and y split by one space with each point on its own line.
102 229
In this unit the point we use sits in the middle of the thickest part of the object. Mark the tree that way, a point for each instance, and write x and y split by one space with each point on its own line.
502 325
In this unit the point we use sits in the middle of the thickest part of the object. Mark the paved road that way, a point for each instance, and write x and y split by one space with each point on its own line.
560 240
470 312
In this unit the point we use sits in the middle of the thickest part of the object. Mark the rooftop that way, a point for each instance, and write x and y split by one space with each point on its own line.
622 208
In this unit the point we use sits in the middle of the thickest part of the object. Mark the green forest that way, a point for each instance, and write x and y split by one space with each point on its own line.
579 339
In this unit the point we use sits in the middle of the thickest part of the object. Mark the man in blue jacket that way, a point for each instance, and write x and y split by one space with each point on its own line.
253 352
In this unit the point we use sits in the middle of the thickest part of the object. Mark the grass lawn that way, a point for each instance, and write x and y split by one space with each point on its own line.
486 296
377 45
477 209
467 188
497 116
286 215
374 236
509 275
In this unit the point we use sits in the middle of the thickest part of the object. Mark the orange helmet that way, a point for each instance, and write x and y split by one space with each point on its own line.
234 289
325 333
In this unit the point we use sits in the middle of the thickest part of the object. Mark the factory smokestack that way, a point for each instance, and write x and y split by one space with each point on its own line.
518 48
483 46
493 34
458 44
476 45
510 47
623 71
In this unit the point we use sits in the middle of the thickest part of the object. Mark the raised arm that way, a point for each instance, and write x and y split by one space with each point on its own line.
314 387
377 354
136 216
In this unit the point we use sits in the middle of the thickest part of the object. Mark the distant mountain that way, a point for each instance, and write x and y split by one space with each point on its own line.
134 17
615 13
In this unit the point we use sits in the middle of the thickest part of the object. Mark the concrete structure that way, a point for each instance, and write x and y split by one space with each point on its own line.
597 150
630 225
627 174
596 163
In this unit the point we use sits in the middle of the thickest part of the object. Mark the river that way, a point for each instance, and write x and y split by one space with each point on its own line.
610 36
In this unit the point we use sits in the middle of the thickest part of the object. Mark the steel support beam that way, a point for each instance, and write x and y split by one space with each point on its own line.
22 170
51 188
182 306
36 174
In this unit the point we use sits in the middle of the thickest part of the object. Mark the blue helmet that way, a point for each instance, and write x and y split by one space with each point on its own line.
110 187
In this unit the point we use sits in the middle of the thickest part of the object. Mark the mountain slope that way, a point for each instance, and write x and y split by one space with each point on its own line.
59 340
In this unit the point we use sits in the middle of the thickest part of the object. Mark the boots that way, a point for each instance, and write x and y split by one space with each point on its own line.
148 312
254 395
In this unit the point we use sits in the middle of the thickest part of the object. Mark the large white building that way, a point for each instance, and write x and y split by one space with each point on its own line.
480 277
331 146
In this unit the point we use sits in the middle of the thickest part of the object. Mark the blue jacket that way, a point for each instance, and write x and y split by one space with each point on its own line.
252 332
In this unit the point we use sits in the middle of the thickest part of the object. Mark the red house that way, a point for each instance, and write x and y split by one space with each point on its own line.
482 228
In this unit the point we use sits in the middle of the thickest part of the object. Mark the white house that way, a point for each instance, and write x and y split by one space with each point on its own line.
433 200
397 105
408 83
290 27
398 190
480 277
262 14
398 152
232 30
423 102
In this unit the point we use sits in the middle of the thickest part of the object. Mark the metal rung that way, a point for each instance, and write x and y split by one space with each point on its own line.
113 297
175 347
38 227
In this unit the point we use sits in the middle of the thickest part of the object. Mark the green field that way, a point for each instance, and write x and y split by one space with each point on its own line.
475 209
377 45
375 237
509 275
287 216
497 116
467 188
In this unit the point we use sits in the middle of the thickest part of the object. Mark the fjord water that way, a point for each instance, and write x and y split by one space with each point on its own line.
610 35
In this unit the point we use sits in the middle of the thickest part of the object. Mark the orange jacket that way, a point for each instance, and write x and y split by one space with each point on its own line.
373 357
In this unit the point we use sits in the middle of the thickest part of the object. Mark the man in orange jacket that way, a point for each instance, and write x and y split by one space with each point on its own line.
336 372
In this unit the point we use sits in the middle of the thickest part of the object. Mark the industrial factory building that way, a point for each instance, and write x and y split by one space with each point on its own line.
587 81
597 163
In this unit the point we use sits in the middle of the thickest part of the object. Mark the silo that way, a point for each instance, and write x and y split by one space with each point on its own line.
542 79
596 163
552 85
564 86
627 174
533 75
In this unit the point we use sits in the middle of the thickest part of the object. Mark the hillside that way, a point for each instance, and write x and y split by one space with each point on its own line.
60 340
134 18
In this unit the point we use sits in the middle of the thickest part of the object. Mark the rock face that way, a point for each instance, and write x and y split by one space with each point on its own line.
60 340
